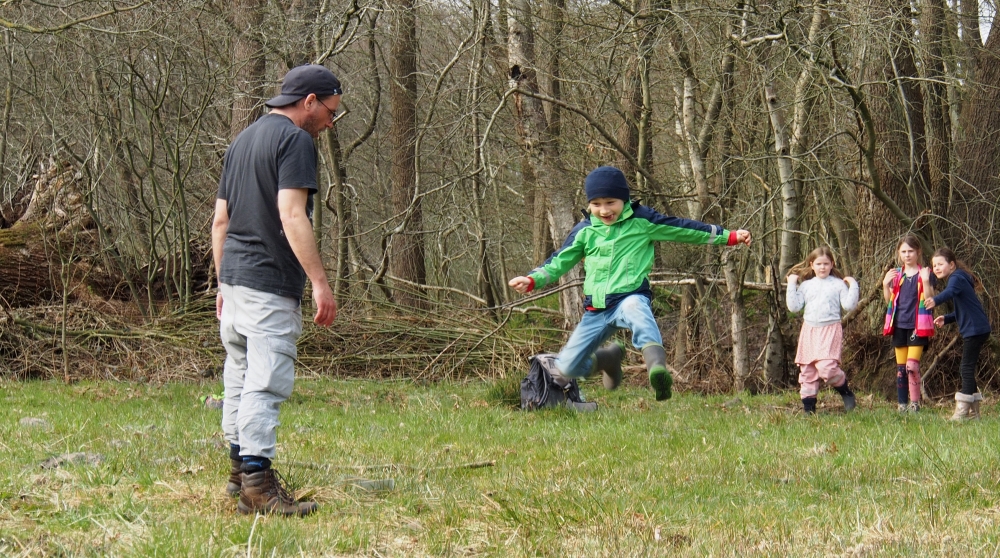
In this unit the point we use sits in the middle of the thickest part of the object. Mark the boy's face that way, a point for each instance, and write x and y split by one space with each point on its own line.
606 209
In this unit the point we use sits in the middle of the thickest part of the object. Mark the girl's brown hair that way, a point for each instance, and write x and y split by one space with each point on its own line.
949 256
804 268
912 241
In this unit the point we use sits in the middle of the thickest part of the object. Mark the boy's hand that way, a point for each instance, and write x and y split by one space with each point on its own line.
939 321
520 284
743 237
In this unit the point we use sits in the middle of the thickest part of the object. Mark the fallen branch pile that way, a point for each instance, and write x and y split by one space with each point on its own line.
367 340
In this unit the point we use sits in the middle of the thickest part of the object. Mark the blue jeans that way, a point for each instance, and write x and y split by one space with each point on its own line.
576 359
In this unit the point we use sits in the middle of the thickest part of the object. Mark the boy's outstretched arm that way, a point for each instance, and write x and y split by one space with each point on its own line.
689 231
558 264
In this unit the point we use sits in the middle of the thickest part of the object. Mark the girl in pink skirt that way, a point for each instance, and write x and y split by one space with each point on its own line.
824 293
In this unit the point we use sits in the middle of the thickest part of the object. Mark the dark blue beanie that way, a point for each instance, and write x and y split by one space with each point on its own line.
606 182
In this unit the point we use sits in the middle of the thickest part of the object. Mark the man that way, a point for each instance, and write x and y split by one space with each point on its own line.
263 245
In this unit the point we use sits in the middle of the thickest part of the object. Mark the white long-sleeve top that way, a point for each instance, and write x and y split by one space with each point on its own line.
823 299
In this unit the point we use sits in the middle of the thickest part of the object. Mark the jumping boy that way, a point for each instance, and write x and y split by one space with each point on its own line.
616 244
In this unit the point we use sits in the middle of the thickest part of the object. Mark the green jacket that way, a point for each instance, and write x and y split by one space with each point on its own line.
619 257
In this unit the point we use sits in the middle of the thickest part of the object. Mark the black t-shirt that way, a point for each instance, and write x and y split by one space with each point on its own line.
270 155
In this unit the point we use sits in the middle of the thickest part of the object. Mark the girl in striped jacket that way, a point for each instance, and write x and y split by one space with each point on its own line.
907 320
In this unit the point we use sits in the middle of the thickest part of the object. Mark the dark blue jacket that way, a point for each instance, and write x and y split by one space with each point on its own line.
969 311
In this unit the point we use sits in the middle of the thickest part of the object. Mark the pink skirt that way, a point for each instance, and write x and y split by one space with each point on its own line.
819 343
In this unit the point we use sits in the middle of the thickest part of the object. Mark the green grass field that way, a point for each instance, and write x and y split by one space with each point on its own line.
474 476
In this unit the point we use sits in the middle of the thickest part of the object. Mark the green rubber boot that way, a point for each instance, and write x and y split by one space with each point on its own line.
659 377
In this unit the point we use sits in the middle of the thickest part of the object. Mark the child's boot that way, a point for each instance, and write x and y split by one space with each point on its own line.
609 362
977 399
848 396
913 387
902 388
809 405
963 406
659 377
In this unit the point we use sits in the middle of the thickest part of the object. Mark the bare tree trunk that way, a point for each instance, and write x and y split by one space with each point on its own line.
738 319
248 62
406 259
787 148
552 30
972 37
789 195
481 15
893 142
933 29
541 153
978 187
693 154
341 209
635 133
775 361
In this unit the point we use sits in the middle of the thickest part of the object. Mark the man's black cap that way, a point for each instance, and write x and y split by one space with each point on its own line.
303 80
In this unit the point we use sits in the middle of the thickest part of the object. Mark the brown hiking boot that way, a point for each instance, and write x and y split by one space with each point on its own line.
235 478
262 492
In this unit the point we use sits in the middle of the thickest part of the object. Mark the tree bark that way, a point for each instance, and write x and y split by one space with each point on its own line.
939 145
481 15
738 321
978 186
635 133
406 258
893 143
248 64
693 148
541 156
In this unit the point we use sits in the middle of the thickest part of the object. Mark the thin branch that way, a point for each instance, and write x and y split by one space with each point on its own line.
7 24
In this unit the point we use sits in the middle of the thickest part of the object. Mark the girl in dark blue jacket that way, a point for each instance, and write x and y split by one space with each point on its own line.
973 325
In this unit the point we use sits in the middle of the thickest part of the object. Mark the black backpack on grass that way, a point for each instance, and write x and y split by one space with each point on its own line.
539 390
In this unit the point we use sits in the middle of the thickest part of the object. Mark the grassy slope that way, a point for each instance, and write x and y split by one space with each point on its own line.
694 476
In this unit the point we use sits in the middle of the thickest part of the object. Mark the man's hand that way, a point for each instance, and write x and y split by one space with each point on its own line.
520 284
218 306
743 237
326 306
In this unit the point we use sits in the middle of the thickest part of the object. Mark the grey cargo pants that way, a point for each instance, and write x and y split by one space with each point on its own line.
259 331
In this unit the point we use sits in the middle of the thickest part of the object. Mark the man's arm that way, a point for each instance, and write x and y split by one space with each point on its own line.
220 226
299 232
